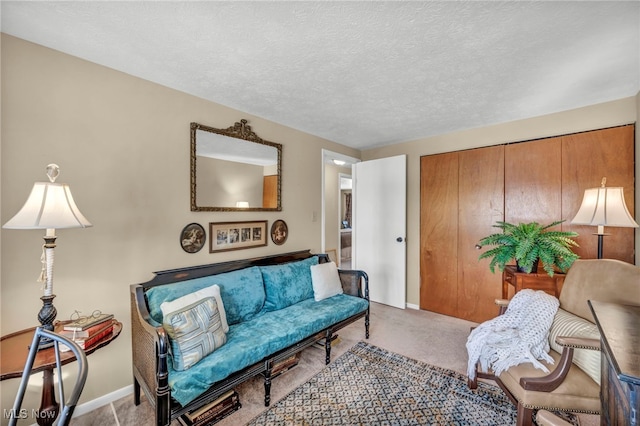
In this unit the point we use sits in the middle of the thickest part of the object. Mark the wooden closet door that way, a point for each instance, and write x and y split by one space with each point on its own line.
533 182
587 158
439 233
462 196
481 204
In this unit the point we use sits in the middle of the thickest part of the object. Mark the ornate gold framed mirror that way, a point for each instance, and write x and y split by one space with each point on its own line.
233 169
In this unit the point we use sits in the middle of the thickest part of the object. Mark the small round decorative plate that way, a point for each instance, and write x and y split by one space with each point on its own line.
192 238
279 232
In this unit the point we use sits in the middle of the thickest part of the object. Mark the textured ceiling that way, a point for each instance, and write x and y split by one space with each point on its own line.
363 74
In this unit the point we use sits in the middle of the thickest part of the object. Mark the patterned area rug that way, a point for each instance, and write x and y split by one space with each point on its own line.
368 385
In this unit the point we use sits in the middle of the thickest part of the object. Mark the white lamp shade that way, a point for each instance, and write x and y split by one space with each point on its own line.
49 206
604 206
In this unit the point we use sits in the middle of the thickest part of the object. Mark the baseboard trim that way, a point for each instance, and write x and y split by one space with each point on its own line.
412 306
103 400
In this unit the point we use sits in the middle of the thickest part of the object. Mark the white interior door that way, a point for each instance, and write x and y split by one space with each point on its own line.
380 227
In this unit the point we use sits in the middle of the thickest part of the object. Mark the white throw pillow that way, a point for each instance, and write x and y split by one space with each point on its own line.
325 280
191 298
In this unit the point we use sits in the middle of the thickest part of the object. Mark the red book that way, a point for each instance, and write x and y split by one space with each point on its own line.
106 330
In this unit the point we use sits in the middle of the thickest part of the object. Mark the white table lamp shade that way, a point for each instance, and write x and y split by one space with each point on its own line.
49 206
604 206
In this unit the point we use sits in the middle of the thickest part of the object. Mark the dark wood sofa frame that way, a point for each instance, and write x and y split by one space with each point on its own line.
150 343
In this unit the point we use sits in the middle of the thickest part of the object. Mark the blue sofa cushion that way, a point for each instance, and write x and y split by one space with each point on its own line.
252 341
288 283
242 293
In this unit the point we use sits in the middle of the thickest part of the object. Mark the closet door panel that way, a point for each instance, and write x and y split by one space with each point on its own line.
481 204
438 233
587 158
533 181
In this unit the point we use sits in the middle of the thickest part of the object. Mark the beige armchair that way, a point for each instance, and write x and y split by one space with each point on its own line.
573 384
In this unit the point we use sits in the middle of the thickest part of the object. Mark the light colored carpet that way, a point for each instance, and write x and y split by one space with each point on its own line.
422 335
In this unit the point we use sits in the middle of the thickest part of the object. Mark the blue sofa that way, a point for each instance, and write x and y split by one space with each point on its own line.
271 314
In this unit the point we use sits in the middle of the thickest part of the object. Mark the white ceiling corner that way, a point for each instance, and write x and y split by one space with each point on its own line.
360 73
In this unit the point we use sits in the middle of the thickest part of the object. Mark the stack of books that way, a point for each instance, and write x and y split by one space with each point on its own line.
213 412
285 365
89 331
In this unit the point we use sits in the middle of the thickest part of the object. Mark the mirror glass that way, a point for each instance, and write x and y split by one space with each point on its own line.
234 169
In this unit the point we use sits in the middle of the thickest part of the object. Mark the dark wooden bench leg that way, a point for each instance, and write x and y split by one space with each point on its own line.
366 324
136 391
267 383
327 347
163 407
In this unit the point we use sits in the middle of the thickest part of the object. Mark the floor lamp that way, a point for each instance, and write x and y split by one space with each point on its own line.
50 206
604 207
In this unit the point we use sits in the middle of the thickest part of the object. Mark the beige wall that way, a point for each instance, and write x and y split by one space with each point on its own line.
123 147
609 114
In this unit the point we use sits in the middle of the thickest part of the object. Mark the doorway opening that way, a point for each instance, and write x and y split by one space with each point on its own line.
336 220
345 218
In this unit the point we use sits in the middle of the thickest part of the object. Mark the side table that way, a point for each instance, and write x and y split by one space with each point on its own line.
14 349
535 281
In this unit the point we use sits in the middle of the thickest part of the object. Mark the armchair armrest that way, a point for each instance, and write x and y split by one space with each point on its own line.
578 342
551 381
502 305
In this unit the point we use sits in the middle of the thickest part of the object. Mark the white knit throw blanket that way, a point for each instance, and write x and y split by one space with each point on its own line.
520 335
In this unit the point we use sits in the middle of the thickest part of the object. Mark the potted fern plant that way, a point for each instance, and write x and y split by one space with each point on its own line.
529 243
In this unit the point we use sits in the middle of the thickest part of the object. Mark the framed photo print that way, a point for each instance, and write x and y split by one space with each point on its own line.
279 232
225 236
192 238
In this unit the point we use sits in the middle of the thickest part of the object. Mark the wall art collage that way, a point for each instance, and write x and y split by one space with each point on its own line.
226 236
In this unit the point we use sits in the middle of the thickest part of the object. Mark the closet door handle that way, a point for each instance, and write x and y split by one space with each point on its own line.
399 239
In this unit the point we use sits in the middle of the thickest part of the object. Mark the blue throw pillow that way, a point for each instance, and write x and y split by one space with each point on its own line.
242 293
288 283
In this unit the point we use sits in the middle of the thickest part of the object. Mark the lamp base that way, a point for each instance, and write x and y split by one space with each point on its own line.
46 316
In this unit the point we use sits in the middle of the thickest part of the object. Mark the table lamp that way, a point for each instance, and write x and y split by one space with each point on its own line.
604 207
50 206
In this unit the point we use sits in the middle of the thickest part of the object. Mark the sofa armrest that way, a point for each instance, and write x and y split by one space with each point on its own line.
354 282
150 351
